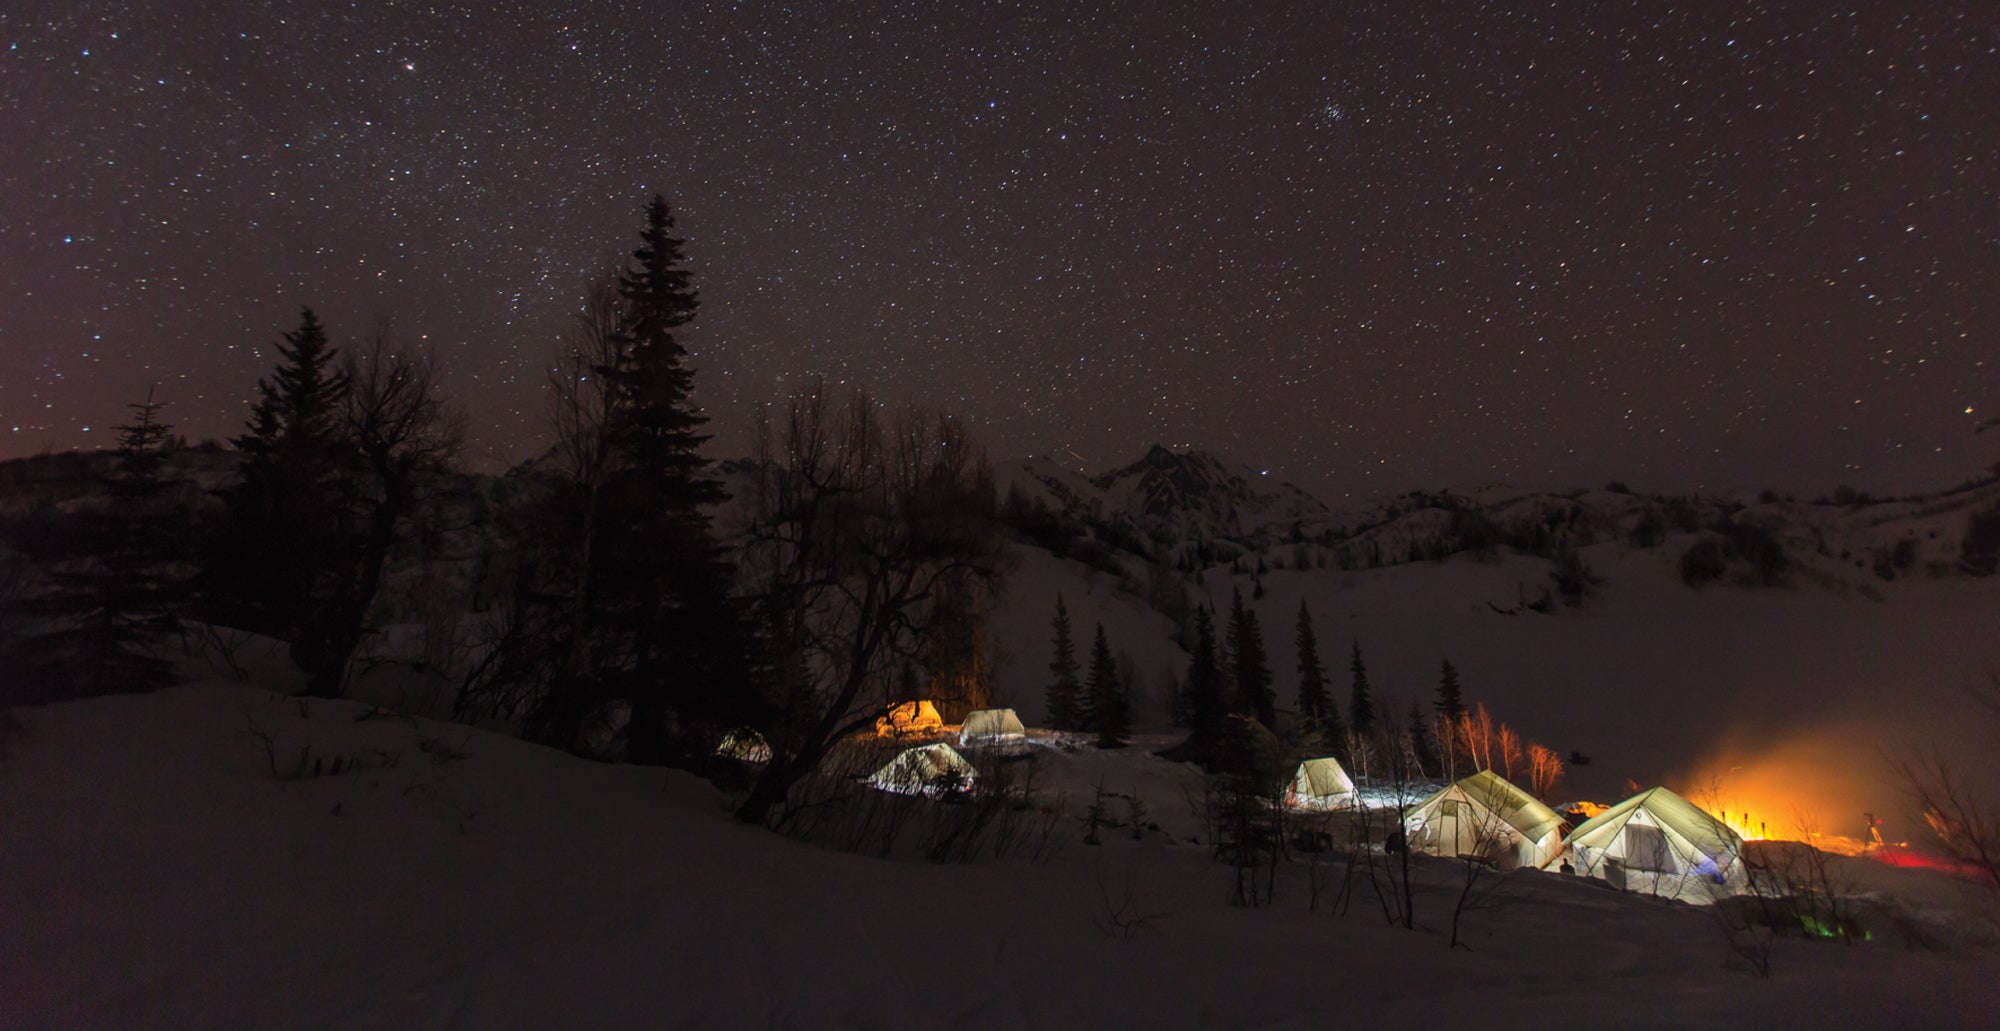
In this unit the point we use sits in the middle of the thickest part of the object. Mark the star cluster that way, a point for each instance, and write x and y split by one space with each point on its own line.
1370 245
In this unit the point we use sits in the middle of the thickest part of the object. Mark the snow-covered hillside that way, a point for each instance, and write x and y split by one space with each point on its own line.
156 872
1777 687
1822 632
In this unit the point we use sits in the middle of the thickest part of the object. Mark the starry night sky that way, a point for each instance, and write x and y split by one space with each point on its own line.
1370 246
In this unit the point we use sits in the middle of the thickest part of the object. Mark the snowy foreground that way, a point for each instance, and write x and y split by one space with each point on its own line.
154 872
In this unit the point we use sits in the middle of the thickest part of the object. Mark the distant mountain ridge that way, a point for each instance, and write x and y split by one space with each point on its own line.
1181 512
1189 510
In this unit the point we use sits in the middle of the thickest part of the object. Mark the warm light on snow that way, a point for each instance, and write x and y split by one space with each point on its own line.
1816 788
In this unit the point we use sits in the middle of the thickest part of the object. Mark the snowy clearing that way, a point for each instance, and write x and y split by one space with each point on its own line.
154 872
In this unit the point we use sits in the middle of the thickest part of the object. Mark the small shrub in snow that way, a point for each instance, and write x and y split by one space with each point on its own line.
1760 548
1703 564
1980 551
1098 815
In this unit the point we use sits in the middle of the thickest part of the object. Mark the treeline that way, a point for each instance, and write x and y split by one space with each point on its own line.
1229 703
597 608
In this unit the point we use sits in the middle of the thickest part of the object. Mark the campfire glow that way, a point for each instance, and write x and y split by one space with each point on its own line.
1756 825
1748 825
1815 789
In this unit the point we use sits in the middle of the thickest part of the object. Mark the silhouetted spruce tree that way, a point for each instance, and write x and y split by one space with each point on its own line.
1312 676
1064 692
1450 702
1361 709
1422 749
1332 728
104 617
1179 716
267 565
1208 710
1110 711
663 581
1253 696
142 443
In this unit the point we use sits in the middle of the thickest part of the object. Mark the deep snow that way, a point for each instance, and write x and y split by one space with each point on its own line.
154 873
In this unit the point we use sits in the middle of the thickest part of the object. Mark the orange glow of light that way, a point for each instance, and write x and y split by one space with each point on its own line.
1807 788
1748 824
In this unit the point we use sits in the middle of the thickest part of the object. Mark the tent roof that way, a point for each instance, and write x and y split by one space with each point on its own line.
1506 799
1323 777
745 743
909 718
1705 832
993 721
921 709
926 764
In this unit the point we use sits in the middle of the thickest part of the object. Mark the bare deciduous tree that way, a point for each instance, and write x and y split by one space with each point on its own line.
1490 837
860 519
539 644
401 432
1962 822
1510 750
1959 820
1389 875
1545 770
582 414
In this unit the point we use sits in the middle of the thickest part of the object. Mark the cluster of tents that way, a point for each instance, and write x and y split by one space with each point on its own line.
1656 841
935 770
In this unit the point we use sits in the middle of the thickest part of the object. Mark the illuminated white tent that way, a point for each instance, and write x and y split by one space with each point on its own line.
745 744
991 727
1486 815
1320 784
930 770
1659 842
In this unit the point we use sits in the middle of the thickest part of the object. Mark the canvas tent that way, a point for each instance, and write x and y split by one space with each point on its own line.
991 727
910 718
1486 815
931 770
1320 784
1661 843
746 745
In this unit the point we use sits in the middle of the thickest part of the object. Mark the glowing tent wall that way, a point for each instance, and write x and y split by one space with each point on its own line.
991 727
1486 815
1662 844
1320 784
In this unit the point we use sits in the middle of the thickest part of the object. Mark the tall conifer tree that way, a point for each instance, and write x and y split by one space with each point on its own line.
656 426
1312 676
1110 712
106 617
1206 706
1361 709
1064 691
1450 700
267 567
663 582
1253 696
1422 748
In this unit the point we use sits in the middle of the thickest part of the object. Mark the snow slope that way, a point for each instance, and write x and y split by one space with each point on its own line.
1801 691
154 873
1783 698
